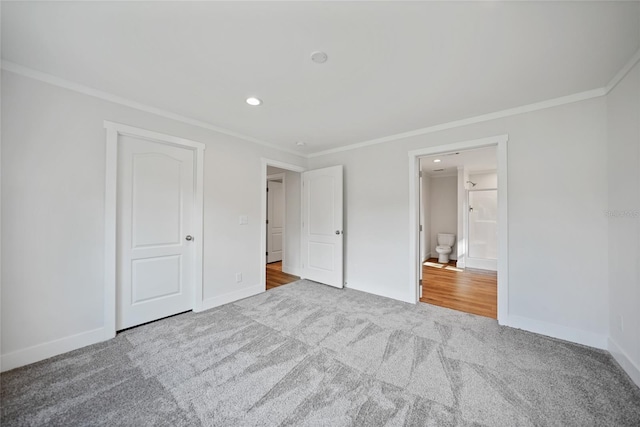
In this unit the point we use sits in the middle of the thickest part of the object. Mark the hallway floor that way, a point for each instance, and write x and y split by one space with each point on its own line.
275 276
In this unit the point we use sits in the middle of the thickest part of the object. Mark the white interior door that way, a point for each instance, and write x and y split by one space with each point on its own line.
322 233
275 220
155 214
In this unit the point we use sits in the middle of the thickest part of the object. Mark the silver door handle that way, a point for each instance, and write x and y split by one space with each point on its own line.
189 238
338 232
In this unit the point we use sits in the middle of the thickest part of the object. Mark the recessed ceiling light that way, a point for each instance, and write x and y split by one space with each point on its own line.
437 161
254 101
319 57
300 144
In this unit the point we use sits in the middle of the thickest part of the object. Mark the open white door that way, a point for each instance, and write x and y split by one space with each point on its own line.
275 220
322 233
155 223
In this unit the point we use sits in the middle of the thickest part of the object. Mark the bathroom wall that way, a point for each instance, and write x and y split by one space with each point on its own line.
425 218
461 244
443 209
483 180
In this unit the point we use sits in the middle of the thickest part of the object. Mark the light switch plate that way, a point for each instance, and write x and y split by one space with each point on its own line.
244 220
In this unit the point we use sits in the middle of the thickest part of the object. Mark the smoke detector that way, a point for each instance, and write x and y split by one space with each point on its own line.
319 57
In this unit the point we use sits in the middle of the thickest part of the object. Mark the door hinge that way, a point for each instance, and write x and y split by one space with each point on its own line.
266 253
420 174
267 221
267 189
420 227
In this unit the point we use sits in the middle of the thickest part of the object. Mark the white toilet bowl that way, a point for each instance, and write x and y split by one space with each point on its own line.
444 248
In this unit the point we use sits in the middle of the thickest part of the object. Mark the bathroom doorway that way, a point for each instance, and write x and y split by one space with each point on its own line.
458 240
281 223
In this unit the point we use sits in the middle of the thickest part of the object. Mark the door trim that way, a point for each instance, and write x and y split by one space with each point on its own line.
263 211
114 130
500 141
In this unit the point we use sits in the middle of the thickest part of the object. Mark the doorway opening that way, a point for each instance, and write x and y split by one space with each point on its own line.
460 226
282 189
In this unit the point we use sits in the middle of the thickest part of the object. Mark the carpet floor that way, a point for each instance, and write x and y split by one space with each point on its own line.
306 354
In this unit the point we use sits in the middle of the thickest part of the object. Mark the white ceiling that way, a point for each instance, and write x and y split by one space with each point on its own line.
393 67
478 160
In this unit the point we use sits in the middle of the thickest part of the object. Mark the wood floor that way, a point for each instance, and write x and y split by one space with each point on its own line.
275 276
469 290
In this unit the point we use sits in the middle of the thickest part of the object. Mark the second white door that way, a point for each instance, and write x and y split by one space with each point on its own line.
275 220
322 234
156 254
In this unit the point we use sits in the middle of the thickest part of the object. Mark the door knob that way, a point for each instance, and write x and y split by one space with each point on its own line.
189 237
338 231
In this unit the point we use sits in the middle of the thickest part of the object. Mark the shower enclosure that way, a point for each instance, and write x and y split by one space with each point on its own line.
482 242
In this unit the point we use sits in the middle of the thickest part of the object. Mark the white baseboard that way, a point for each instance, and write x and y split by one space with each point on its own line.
557 331
482 264
231 297
624 361
408 299
49 349
296 271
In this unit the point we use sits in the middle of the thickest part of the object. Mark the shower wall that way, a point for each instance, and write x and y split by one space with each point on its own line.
481 216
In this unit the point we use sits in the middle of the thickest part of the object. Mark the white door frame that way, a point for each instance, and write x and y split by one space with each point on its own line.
263 211
503 241
283 178
114 130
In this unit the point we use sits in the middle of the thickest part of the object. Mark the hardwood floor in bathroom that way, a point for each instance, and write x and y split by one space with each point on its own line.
472 291
275 276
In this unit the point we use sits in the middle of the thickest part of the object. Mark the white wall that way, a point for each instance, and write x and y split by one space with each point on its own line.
53 167
483 181
425 197
623 126
292 261
564 295
443 210
462 230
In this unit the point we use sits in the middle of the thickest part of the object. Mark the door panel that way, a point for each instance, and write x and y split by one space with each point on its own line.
155 213
322 233
275 218
156 200
155 278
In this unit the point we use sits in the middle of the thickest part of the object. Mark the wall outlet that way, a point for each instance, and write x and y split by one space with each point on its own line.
238 277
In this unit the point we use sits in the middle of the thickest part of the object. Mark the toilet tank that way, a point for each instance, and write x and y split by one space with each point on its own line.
445 239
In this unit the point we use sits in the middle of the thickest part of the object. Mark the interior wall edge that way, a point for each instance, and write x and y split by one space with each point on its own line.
624 361
566 333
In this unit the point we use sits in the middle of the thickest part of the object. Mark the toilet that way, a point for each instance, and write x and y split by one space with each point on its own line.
445 243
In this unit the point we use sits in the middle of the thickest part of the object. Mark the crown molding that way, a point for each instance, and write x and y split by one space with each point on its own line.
76 87
554 102
576 97
623 72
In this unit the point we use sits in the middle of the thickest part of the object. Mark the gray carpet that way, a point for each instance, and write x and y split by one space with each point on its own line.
310 355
